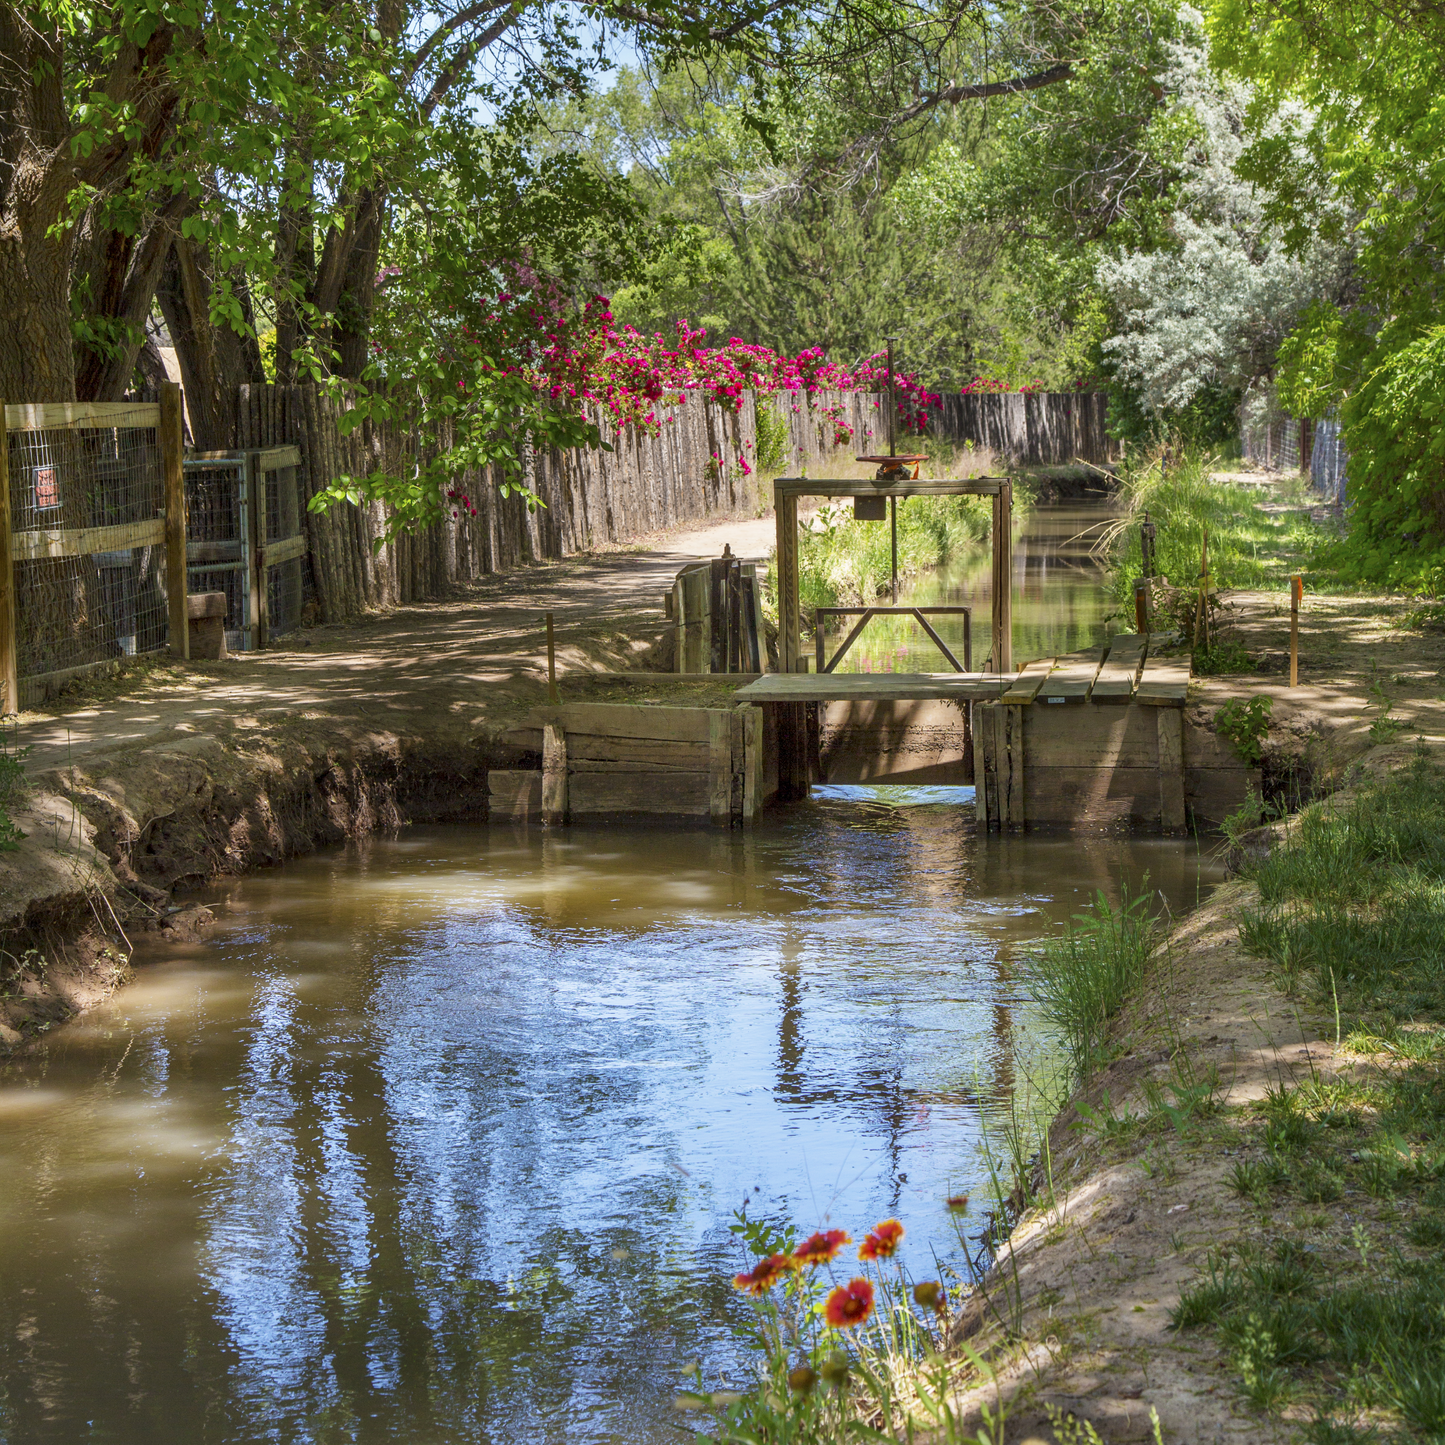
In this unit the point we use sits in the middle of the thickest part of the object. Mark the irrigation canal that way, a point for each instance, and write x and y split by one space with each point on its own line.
438 1139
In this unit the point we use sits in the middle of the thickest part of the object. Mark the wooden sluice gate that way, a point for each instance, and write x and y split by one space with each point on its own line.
1096 739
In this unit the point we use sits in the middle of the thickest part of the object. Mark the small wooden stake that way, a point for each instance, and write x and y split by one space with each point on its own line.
9 668
1201 611
1141 605
1296 596
553 696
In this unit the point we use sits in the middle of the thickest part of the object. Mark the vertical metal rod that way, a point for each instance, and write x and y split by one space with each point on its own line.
9 668
893 519
892 403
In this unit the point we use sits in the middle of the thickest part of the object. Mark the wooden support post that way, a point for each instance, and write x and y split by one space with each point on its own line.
1296 596
752 763
1011 768
893 524
172 459
820 657
1141 605
554 774
9 662
720 766
977 723
1170 721
1003 578
263 538
789 621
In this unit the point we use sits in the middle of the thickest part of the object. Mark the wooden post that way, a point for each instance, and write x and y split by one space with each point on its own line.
1141 605
752 764
9 664
1170 725
720 766
1296 596
1013 806
261 538
172 459
679 619
554 774
785 505
979 722
1003 507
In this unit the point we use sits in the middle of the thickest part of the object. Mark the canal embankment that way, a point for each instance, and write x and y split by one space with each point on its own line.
156 781
1234 1221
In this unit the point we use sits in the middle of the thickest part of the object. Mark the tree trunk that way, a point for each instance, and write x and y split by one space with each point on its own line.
214 360
351 333
120 275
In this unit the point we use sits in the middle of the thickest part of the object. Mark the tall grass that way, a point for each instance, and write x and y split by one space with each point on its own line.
1084 976
843 562
1247 545
1357 898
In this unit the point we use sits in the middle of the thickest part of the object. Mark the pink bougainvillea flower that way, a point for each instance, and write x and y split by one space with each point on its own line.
764 1274
849 1304
821 1247
883 1240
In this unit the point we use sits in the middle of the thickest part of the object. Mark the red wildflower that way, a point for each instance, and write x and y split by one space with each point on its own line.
821 1247
882 1242
849 1304
764 1274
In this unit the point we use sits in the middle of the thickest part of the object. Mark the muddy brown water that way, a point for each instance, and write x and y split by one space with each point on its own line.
439 1138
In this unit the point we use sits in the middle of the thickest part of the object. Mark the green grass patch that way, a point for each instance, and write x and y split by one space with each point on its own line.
1344 1319
842 562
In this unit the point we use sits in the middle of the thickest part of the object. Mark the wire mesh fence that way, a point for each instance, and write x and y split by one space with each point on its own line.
87 516
218 549
244 514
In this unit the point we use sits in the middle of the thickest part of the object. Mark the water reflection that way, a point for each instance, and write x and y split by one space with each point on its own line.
439 1139
1060 601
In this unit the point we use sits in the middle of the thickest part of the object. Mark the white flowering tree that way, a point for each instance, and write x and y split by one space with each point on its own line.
1206 313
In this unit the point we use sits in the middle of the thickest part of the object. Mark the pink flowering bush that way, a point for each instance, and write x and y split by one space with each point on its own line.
517 360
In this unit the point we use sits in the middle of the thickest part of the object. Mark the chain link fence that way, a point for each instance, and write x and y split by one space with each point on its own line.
1274 441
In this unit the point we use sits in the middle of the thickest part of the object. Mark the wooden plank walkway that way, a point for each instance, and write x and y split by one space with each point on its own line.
1119 672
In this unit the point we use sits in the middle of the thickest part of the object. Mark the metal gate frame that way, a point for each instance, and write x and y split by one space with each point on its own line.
252 553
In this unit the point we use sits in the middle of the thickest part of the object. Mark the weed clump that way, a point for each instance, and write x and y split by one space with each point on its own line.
1082 978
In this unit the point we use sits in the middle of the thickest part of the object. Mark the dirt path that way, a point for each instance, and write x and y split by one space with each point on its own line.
397 669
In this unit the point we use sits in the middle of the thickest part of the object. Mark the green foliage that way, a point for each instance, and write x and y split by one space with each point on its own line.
12 785
773 433
1082 978
1244 725
1356 898
1397 466
842 561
